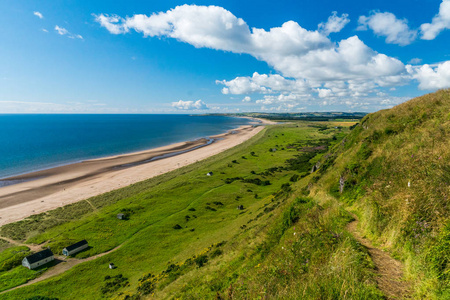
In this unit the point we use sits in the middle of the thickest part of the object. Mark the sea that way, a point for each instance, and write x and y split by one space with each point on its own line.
36 142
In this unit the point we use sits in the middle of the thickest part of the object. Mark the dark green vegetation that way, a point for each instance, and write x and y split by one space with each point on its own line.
263 226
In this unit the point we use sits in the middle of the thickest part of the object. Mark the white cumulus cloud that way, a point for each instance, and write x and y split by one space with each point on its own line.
432 77
114 24
334 23
38 14
440 22
290 49
262 84
386 24
325 93
310 67
190 105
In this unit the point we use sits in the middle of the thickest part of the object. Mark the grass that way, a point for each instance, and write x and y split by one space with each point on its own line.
395 168
16 276
304 253
205 207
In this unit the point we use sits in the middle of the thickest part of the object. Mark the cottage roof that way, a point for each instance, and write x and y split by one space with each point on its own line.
76 245
39 256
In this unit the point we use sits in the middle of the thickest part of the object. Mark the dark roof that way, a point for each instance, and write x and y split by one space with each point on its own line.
76 245
39 256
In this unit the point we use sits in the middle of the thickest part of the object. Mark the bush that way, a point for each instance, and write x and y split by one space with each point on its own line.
201 260
294 178
216 253
114 283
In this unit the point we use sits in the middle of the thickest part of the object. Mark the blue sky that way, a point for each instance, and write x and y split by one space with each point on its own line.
220 56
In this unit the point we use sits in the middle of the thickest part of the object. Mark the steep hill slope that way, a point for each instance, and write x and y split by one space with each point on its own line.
393 171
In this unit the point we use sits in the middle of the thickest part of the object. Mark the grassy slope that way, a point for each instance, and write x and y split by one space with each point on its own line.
149 243
395 165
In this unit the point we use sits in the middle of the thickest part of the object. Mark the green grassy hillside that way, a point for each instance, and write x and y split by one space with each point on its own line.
184 228
186 239
393 171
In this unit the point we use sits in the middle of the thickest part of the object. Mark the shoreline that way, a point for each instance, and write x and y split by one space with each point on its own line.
24 174
52 188
42 173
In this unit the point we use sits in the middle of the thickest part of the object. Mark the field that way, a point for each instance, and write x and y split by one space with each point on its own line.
182 222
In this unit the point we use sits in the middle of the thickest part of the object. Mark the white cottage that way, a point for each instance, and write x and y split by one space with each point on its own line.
38 259
75 248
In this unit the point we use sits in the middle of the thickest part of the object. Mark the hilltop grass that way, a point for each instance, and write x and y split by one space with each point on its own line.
173 216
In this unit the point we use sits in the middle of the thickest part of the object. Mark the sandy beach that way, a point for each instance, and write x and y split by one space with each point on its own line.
41 191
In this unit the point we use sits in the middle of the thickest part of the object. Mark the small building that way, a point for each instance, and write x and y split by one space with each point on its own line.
240 207
75 248
38 259
112 266
121 216
209 174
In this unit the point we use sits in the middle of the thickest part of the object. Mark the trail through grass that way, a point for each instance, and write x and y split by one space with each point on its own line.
390 272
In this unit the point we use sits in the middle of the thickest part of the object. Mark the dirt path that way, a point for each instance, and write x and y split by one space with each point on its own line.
34 248
63 264
389 271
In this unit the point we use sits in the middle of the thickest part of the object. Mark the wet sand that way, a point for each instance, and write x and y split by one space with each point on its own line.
44 190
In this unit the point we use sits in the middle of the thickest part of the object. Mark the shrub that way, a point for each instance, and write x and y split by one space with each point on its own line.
294 178
114 283
216 253
147 284
201 260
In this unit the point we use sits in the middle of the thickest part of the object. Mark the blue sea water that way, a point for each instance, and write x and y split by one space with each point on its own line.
36 142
